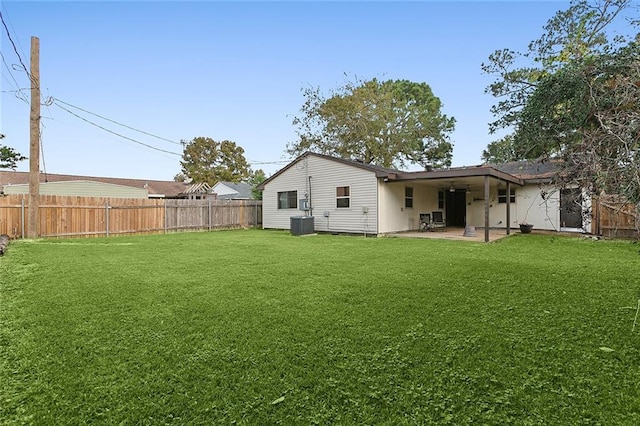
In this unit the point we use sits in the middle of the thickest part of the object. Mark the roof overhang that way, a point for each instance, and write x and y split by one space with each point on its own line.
448 174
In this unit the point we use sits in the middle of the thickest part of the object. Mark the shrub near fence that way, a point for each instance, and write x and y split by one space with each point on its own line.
65 216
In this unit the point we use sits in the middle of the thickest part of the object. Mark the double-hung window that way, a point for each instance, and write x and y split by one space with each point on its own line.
287 200
441 200
343 197
502 196
408 197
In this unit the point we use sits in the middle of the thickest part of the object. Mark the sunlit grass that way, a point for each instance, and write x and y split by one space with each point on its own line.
260 327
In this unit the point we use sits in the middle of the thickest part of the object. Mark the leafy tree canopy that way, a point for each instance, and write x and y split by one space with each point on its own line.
388 123
210 161
256 179
9 157
575 34
584 104
500 151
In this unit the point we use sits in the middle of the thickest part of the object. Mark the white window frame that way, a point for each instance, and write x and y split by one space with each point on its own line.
288 199
343 197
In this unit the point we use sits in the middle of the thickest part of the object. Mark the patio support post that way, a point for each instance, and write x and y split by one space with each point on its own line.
486 209
508 208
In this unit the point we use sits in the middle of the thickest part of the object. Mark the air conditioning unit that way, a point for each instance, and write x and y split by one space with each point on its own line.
302 225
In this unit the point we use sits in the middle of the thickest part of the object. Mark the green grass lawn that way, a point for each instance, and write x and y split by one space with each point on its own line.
259 327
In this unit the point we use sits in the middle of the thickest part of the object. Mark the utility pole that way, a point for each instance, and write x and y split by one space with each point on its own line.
34 145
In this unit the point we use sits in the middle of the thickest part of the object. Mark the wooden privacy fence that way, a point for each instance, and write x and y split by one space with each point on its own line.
615 218
66 216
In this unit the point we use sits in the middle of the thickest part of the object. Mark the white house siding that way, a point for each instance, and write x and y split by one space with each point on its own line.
326 175
80 188
529 207
394 216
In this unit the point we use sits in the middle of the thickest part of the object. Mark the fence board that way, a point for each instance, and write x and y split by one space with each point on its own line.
67 216
615 218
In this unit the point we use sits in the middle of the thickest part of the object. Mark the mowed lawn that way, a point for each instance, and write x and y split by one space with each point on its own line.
260 327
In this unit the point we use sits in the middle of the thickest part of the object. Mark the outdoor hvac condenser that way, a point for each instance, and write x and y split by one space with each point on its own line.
302 225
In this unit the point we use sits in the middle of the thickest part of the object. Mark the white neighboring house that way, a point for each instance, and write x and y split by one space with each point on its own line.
233 191
347 196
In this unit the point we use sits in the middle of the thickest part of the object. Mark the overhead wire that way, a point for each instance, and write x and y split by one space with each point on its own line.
15 49
55 101
17 86
13 29
116 122
267 162
51 100
115 133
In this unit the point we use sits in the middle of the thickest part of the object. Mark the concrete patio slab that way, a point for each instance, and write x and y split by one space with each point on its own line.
454 233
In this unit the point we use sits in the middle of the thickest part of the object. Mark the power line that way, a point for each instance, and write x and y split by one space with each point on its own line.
115 122
13 29
115 133
15 49
19 90
268 162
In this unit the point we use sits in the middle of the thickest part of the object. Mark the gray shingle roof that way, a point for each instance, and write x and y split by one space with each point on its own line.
243 191
531 169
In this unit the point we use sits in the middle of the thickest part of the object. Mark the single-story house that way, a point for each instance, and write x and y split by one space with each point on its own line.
12 182
347 196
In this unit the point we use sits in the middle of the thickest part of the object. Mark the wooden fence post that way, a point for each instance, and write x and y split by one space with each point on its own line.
107 217
22 218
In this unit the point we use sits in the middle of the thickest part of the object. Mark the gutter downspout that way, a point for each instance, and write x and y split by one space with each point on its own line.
310 203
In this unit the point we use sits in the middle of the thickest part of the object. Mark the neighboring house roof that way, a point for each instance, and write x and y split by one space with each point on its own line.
156 188
197 188
233 191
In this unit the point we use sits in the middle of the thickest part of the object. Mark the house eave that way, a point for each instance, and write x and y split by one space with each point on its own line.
453 174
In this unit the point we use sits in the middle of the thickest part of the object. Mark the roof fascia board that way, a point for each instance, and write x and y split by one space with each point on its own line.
459 173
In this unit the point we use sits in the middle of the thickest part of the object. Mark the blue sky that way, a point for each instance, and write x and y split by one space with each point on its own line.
235 70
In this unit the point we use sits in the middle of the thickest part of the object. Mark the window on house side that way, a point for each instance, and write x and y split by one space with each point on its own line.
441 200
502 196
408 197
287 200
343 199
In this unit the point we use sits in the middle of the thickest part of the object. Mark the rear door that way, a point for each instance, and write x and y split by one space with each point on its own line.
571 208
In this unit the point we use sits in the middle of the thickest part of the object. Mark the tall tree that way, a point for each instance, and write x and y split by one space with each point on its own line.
388 123
571 36
210 161
500 151
591 116
584 108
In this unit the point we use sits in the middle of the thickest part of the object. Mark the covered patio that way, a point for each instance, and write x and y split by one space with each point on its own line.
465 196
